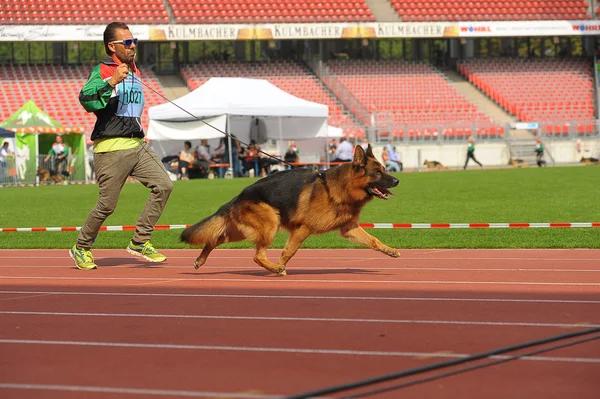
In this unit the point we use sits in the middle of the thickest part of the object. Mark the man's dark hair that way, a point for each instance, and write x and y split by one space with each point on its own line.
187 143
110 34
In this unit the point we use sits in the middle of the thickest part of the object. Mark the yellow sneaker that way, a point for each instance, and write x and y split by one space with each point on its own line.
83 258
146 251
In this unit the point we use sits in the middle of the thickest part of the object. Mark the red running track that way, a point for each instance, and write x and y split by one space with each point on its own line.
231 330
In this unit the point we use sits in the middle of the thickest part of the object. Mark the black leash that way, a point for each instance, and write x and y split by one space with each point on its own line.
440 365
471 368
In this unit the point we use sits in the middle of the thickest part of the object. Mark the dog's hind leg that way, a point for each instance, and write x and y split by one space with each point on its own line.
206 251
357 234
259 223
232 234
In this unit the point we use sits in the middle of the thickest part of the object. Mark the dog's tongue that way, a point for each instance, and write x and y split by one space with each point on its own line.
381 192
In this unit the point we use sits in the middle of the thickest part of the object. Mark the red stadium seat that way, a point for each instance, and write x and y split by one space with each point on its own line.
492 10
529 89
407 95
80 12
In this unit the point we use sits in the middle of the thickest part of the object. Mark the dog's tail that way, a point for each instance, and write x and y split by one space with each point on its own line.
209 230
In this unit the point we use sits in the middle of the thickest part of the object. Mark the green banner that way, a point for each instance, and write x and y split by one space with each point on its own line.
25 156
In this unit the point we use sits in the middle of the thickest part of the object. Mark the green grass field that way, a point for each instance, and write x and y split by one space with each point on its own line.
567 194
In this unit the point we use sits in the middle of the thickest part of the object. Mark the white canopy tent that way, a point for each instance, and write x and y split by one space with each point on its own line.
229 104
286 117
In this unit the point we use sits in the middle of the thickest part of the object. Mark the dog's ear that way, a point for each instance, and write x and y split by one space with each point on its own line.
360 158
369 152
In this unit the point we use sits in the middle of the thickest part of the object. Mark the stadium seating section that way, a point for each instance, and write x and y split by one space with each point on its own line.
184 11
234 11
412 99
538 90
491 10
258 11
81 11
55 89
289 76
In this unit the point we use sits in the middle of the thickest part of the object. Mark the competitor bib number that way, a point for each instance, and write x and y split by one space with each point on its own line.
131 97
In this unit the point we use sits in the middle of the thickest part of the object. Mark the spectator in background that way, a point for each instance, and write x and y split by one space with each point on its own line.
235 154
59 153
291 154
385 157
395 162
251 159
4 153
203 159
364 143
186 159
471 153
539 152
344 151
331 147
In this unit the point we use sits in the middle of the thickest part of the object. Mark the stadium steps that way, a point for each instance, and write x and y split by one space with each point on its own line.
332 95
169 9
484 103
173 86
383 11
525 150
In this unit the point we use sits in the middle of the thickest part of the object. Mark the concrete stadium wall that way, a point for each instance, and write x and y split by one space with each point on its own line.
489 154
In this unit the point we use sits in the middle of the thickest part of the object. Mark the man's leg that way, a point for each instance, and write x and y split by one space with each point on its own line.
112 171
152 174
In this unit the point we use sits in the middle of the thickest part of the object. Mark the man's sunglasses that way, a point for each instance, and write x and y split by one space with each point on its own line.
126 42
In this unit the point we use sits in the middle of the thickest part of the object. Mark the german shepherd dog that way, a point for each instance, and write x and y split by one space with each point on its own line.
590 161
45 176
517 163
433 165
301 201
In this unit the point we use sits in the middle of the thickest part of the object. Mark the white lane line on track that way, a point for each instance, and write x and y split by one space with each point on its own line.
302 267
312 297
303 319
292 280
282 350
365 258
136 391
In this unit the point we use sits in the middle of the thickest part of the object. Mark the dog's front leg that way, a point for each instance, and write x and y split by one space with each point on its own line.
357 234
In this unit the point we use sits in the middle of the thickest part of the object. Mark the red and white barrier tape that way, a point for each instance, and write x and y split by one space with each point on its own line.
71 183
363 225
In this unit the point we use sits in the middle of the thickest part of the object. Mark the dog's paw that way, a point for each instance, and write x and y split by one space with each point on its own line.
393 252
282 272
198 263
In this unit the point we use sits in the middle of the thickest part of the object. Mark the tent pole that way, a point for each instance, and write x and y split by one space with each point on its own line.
37 158
281 139
228 130
327 149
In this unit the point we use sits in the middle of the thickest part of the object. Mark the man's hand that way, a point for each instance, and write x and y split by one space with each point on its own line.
120 74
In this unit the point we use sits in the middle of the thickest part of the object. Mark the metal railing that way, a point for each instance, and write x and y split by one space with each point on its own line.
60 171
8 172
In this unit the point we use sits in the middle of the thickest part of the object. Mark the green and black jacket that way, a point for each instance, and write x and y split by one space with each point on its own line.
118 109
